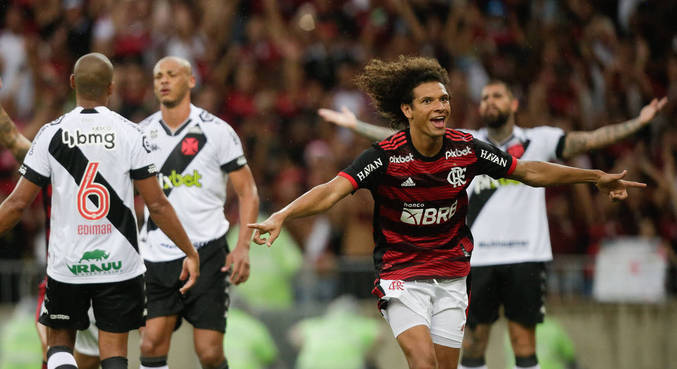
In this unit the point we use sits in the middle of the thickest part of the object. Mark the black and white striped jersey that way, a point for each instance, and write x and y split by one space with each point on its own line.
193 162
508 219
90 157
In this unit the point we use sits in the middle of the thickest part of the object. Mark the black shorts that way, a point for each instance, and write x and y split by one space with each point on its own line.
206 303
520 288
118 306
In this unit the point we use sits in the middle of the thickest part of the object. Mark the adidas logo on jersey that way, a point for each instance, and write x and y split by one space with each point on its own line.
408 183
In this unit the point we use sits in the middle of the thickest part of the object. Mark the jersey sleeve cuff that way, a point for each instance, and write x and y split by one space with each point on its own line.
143 173
33 176
234 164
513 165
350 178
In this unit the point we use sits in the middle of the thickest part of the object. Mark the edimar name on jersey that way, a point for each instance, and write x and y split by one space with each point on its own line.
493 158
361 175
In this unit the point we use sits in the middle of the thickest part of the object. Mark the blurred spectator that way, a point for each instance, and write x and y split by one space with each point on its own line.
272 273
248 344
342 338
17 76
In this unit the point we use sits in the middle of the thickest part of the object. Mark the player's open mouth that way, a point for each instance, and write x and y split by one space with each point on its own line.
438 122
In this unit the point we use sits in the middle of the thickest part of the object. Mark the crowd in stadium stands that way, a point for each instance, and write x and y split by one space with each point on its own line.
266 66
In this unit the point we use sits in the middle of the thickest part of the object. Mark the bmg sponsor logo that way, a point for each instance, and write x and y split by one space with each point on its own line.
426 216
77 138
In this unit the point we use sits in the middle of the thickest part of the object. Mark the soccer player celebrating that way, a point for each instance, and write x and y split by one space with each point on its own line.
193 150
91 155
508 263
418 178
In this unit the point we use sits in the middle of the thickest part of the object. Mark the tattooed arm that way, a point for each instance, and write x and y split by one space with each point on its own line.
579 142
10 138
346 118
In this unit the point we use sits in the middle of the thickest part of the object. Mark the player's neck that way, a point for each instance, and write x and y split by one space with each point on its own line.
176 115
426 145
90 104
498 135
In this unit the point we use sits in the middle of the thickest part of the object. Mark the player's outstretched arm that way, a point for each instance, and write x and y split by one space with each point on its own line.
248 200
317 200
163 214
581 141
10 138
11 209
346 118
542 174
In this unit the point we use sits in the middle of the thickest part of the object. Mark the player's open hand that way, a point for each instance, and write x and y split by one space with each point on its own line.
190 270
344 118
649 111
615 186
270 226
238 262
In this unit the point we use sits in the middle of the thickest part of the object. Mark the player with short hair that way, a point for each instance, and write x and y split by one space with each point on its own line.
86 350
418 178
508 262
91 155
194 152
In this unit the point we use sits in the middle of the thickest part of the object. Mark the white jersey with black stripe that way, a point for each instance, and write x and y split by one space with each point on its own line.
508 219
91 156
193 162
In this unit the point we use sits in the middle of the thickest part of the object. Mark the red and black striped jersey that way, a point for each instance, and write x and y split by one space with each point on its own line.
421 202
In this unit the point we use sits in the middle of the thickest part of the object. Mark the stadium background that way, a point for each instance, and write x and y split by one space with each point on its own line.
266 66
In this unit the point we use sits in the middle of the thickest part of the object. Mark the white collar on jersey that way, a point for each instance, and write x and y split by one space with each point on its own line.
95 110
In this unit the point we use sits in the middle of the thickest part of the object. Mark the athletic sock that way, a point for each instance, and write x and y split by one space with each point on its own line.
472 363
60 357
115 362
159 362
526 362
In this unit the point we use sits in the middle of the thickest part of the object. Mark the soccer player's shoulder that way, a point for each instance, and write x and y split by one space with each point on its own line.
50 128
393 141
541 131
456 135
212 124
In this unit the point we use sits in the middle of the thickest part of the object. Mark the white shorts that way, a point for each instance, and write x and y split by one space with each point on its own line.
439 304
87 341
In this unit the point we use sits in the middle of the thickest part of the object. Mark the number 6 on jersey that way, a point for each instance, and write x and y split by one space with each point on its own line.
88 187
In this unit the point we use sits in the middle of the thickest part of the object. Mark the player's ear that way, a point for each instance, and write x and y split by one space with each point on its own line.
191 81
72 81
514 105
407 110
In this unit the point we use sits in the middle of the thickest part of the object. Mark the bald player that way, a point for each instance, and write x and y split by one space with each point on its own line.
196 153
92 157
